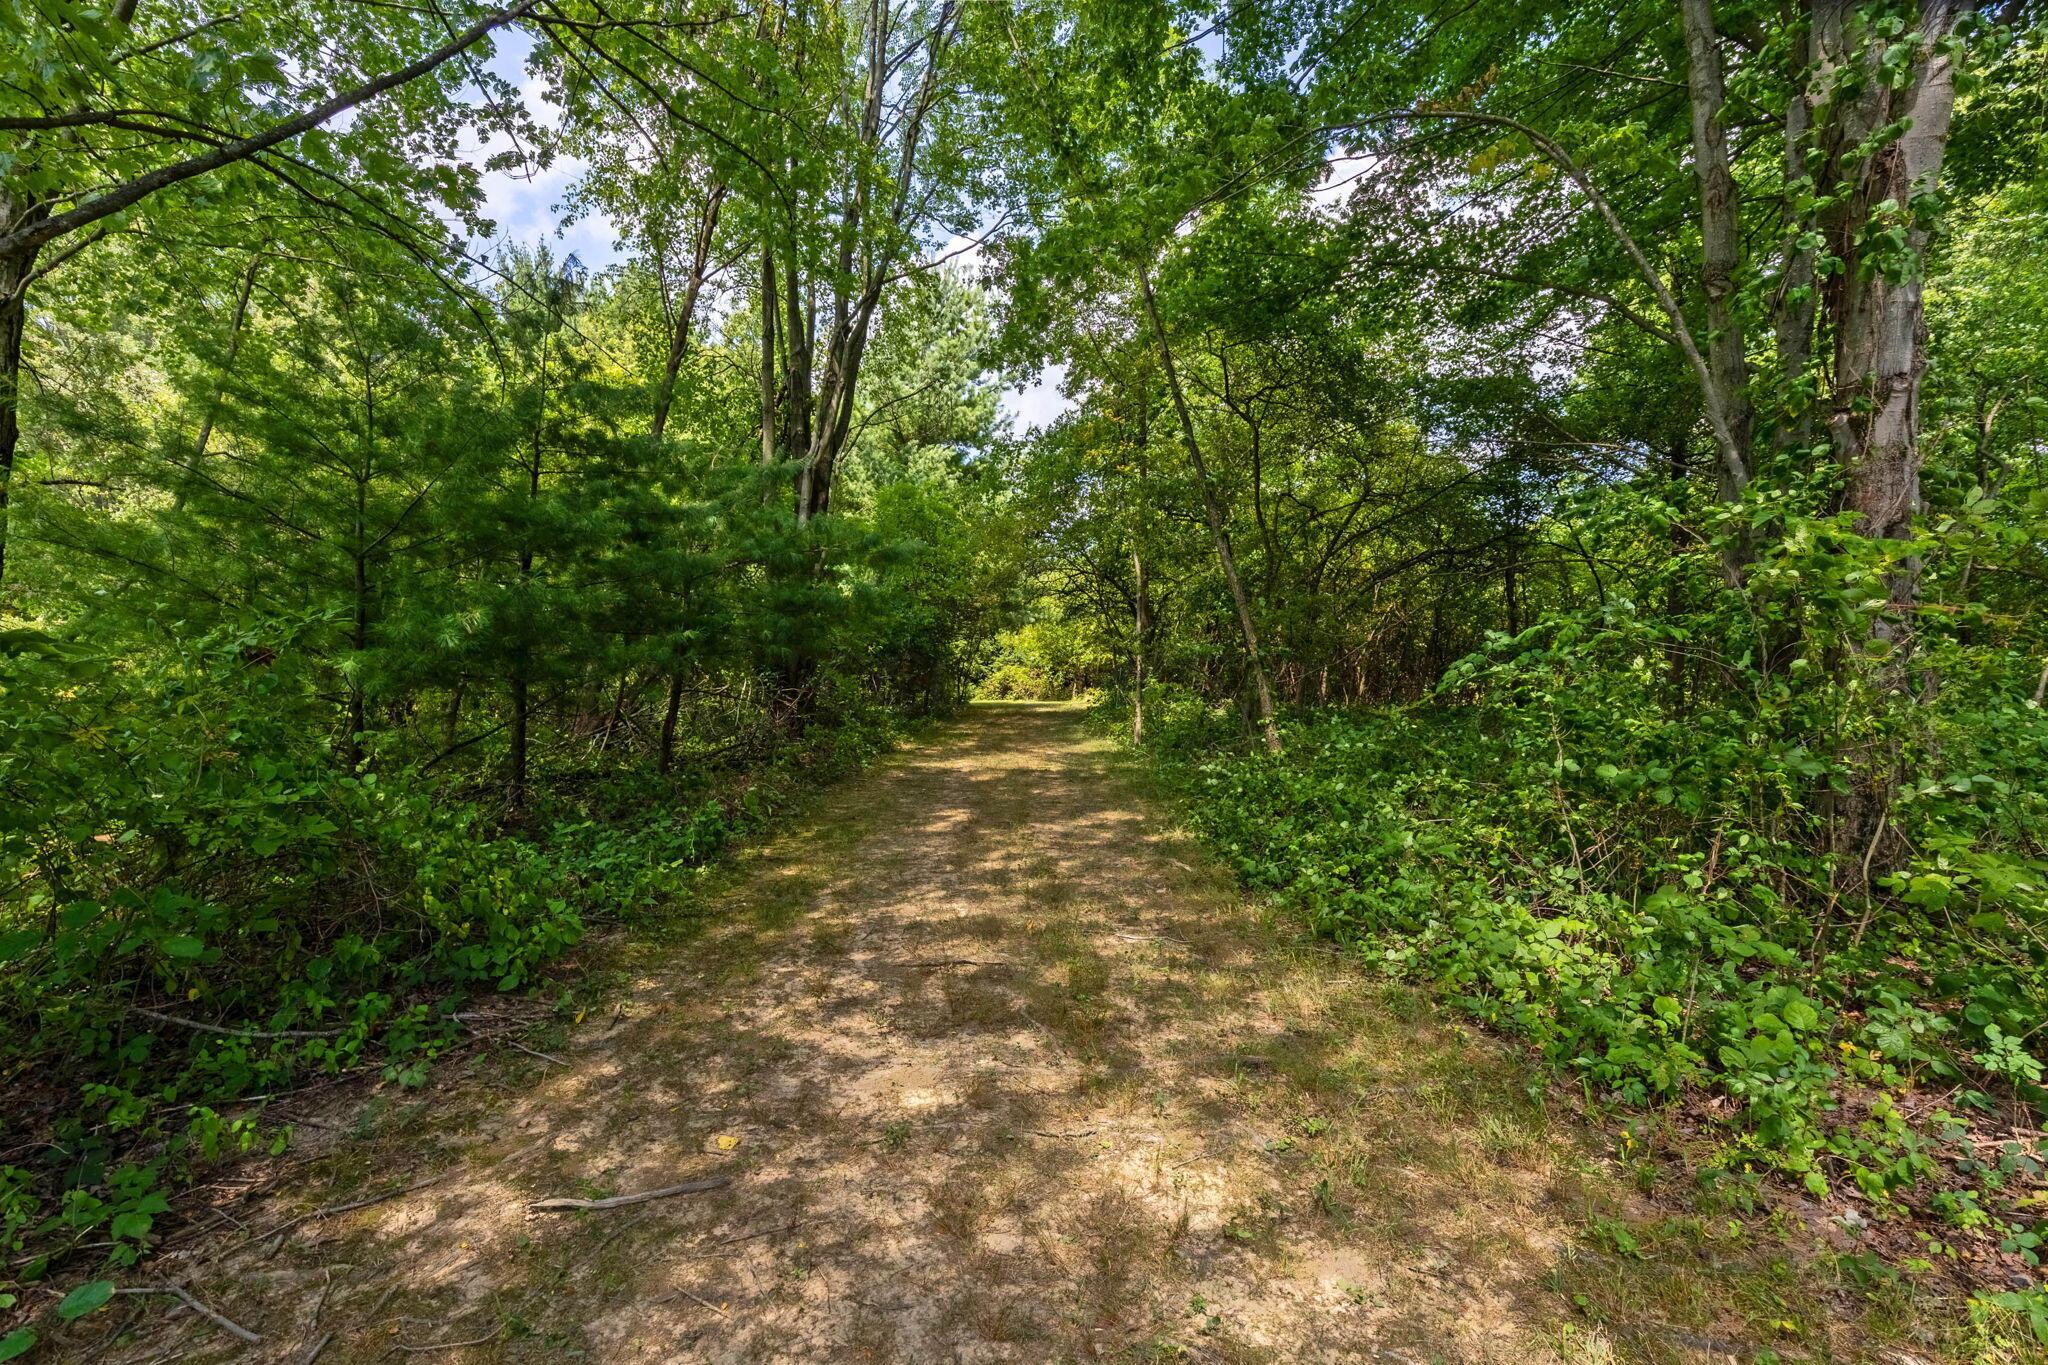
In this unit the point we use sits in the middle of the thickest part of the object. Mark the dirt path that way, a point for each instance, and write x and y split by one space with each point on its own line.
999 1069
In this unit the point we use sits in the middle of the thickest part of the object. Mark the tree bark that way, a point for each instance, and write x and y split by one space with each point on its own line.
227 371
522 657
1219 529
1140 627
1796 299
1880 330
1720 235
679 332
1876 313
1510 587
17 270
14 273
520 706
359 629
769 304
452 722
668 722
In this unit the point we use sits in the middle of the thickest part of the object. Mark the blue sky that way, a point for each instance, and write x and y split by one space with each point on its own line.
528 210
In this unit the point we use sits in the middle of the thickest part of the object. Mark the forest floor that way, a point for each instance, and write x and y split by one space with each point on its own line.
994 1066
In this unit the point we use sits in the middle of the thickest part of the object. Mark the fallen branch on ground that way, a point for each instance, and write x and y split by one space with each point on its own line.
536 1052
226 1324
474 1019
620 1201
197 1027
449 1345
696 1299
713 1247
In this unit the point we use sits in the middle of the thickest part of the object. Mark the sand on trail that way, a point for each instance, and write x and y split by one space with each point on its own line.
1001 1068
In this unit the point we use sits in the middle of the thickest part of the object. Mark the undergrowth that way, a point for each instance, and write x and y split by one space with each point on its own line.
1631 892
209 915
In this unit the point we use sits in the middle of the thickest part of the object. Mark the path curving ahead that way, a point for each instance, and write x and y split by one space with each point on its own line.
1000 1069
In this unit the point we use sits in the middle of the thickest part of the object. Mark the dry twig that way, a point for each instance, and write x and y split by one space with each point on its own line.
620 1201
226 1324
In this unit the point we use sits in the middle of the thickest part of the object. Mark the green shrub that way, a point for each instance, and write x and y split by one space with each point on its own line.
202 905
1634 891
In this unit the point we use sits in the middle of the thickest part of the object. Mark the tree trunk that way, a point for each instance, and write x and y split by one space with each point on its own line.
517 785
769 305
1720 236
1219 529
1875 308
679 336
204 439
522 659
1141 626
1796 300
452 724
359 557
359 639
1674 592
668 722
1510 588
15 270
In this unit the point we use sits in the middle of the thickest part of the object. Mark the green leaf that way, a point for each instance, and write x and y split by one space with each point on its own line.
132 1225
17 944
183 946
87 1298
1800 1015
17 1342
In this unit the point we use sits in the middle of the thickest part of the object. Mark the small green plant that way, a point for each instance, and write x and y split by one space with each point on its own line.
2030 1306
1614 1237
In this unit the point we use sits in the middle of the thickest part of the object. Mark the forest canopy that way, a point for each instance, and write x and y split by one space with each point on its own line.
1558 489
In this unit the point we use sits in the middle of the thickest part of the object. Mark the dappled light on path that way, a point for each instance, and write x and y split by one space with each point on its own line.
999 1069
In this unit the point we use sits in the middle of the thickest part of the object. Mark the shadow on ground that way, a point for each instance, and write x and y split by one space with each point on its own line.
999 1069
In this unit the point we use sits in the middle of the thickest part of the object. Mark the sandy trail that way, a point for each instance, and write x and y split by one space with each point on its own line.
1000 1069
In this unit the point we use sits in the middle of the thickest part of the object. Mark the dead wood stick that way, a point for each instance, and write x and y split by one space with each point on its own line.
707 1249
536 1052
228 1325
197 1027
474 1019
703 1302
450 1345
937 962
320 1304
313 1352
620 1201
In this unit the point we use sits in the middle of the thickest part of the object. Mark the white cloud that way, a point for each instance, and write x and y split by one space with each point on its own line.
1040 402
527 206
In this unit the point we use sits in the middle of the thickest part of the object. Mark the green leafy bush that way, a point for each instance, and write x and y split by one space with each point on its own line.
202 905
1636 892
